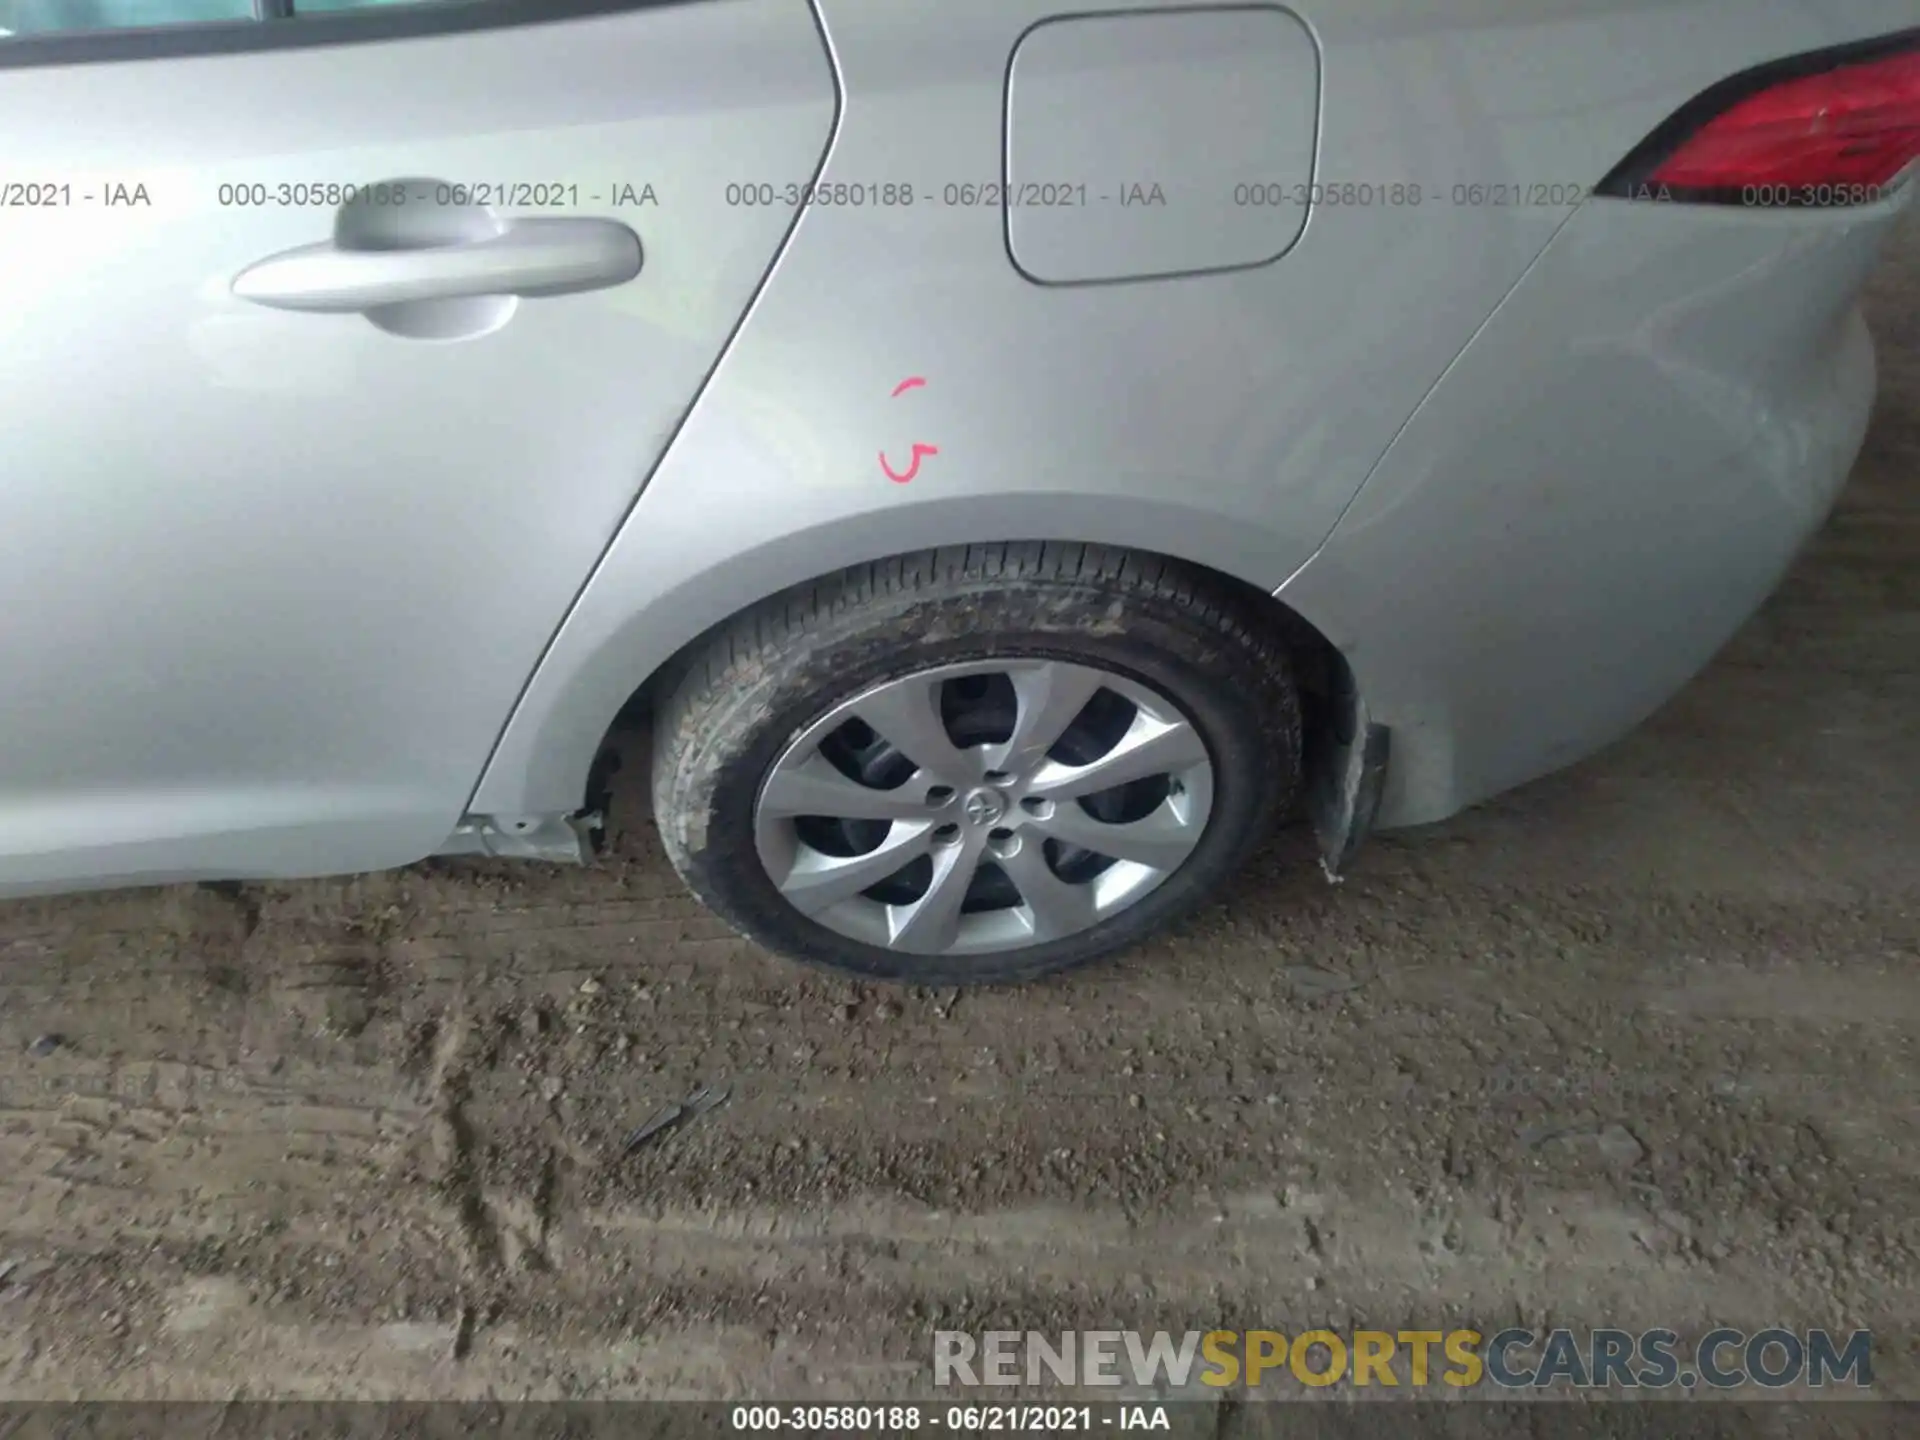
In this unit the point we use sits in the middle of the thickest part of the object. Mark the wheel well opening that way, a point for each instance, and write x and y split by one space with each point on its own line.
1319 670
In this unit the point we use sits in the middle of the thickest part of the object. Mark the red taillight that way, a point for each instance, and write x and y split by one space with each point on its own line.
1832 129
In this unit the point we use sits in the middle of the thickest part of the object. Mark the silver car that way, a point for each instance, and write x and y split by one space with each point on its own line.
1014 456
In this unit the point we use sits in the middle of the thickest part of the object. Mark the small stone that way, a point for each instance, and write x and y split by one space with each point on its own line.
849 1011
551 1087
590 986
1312 982
1136 1101
46 1045
1618 1145
1313 1282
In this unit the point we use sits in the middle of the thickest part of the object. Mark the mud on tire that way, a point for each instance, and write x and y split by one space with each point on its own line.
778 669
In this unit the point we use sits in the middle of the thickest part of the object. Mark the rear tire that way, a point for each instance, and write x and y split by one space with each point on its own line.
1023 674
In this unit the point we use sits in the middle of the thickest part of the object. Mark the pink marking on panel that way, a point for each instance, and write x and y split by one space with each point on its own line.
920 452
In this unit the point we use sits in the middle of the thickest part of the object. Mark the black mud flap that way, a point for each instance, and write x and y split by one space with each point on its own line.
600 793
1346 774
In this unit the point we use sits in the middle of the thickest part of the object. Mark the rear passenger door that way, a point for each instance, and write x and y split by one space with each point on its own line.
338 339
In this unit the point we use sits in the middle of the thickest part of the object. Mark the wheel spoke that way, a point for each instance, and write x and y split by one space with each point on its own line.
906 714
1054 907
931 924
1150 747
819 881
815 787
1051 697
1160 841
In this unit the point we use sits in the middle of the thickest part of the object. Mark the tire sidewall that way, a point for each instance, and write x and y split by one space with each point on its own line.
1240 700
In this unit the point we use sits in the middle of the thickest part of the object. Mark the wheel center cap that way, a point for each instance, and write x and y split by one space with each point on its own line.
985 807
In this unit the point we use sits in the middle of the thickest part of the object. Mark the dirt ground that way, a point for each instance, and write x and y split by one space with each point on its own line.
1633 1046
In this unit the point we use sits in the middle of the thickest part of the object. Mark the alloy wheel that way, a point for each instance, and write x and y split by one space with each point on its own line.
984 807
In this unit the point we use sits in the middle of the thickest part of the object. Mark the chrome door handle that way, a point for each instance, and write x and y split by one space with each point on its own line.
533 257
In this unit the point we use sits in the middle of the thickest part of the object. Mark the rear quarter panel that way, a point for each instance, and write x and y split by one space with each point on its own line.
1225 419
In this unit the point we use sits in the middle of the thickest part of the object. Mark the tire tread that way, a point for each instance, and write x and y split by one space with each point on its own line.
699 719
